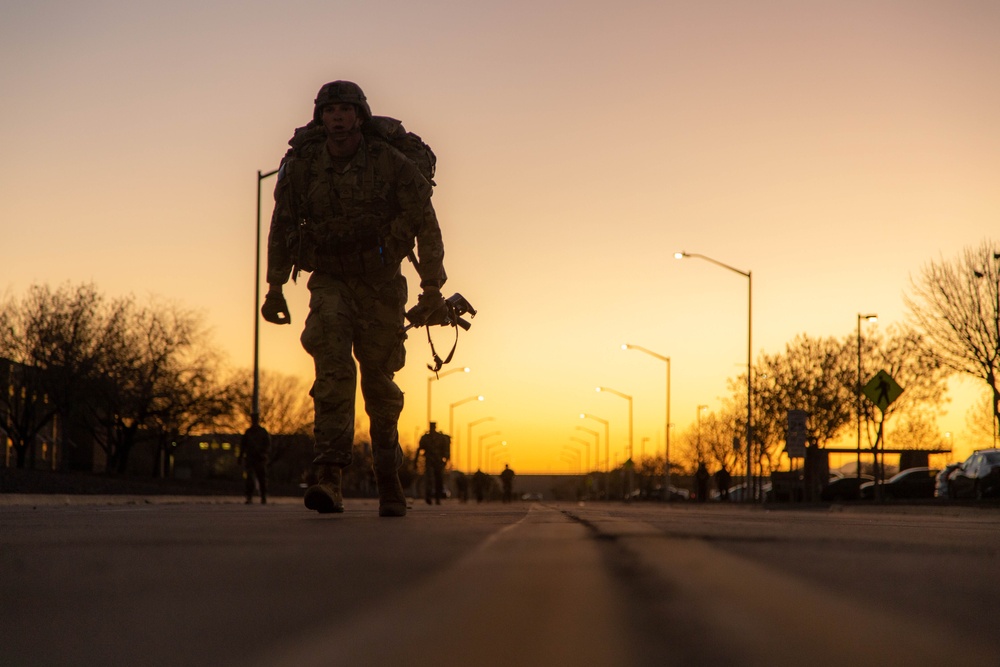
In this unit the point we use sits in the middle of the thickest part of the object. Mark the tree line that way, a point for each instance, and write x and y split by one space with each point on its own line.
952 327
81 365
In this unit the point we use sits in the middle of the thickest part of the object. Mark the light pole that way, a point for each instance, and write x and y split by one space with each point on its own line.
480 450
666 425
586 444
629 399
870 318
749 436
255 407
570 449
607 431
487 454
469 433
490 455
438 376
451 422
597 445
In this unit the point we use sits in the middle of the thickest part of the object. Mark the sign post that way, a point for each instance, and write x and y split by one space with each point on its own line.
881 390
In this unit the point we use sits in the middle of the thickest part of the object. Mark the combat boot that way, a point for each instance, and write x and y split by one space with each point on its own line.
391 500
325 496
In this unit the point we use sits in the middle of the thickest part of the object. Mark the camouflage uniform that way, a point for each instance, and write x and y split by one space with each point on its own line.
436 447
255 448
351 223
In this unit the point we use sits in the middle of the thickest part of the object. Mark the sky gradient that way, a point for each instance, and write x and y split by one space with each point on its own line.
831 148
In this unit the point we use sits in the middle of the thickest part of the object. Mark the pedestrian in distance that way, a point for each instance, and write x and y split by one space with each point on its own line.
480 482
436 447
255 452
507 482
349 207
722 481
701 478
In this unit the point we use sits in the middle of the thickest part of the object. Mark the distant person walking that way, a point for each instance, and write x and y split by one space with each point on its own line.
480 480
436 447
507 482
255 451
701 478
722 481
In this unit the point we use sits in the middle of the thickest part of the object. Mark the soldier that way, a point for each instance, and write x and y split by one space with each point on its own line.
436 447
507 481
255 449
348 208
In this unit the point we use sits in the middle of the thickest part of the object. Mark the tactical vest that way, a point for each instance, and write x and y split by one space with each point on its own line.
344 221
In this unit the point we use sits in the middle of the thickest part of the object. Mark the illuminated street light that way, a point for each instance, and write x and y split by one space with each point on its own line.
749 436
488 454
480 450
629 399
469 434
451 421
607 431
870 318
597 445
666 426
438 376
586 444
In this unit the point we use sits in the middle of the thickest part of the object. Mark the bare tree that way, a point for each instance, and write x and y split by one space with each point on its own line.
53 340
956 305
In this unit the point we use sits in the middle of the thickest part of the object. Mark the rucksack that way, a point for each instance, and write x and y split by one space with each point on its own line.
381 128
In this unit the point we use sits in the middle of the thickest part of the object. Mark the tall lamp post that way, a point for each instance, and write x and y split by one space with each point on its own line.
597 445
749 436
490 454
870 318
438 376
468 434
629 399
451 422
607 438
480 450
666 425
586 445
255 407
577 454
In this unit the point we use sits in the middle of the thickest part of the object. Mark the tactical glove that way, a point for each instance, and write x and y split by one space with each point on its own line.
430 309
275 309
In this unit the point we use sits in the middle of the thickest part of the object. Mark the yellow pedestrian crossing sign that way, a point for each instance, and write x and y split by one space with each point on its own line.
882 390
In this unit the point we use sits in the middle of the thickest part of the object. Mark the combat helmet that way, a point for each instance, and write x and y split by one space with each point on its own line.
341 91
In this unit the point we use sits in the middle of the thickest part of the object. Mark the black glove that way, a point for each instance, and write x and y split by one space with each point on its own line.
275 310
430 309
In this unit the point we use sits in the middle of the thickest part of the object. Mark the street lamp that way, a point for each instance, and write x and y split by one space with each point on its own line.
607 430
451 421
570 449
666 426
870 318
469 433
255 406
586 444
629 399
487 454
749 436
480 450
597 445
438 376
491 456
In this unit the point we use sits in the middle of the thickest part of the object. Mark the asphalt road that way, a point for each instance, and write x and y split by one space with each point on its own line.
173 581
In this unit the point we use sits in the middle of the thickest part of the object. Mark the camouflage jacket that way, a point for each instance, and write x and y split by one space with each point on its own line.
362 220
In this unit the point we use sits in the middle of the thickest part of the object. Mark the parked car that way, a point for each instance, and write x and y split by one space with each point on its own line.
978 476
844 488
941 481
911 483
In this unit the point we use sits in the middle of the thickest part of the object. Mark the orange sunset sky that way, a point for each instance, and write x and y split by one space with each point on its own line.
831 148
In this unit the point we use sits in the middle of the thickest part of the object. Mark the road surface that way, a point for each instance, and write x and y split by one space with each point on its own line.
196 581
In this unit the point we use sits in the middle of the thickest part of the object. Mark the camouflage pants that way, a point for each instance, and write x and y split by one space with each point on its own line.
363 317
